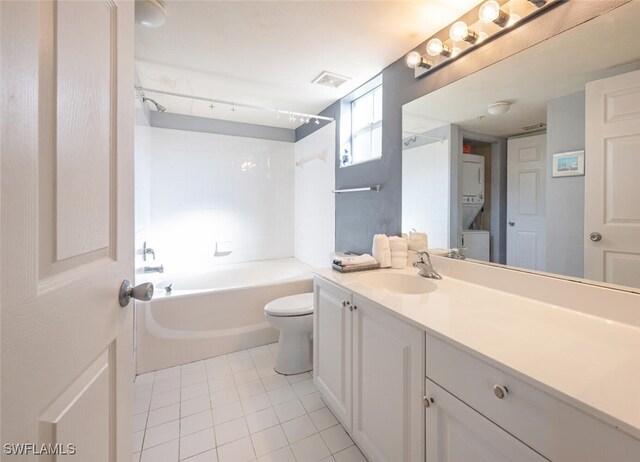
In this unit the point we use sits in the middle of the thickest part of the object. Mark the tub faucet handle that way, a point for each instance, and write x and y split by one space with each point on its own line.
168 288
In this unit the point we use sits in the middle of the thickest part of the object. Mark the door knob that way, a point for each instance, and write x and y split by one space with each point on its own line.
142 292
512 223
595 237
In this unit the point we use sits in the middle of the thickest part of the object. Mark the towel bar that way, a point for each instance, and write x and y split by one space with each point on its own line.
375 188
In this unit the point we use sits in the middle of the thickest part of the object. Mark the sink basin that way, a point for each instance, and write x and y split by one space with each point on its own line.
398 283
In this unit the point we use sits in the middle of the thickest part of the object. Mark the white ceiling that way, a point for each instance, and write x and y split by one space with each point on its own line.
559 66
266 53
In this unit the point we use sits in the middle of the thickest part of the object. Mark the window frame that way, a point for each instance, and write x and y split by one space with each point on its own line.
370 127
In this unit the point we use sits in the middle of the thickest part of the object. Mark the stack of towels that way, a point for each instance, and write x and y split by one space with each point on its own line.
390 252
348 263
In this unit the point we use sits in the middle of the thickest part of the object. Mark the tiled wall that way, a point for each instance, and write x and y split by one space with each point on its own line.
205 188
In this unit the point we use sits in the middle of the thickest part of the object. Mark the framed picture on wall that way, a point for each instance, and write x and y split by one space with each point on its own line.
568 164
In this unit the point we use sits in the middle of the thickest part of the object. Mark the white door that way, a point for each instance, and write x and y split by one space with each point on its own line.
332 348
66 227
388 383
457 433
612 189
526 223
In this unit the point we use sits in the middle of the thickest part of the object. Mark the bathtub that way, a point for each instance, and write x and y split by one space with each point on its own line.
212 312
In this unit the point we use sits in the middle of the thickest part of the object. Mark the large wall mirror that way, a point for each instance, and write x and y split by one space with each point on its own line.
547 179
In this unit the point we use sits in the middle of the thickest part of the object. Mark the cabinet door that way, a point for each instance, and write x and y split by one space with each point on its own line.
332 348
388 383
457 433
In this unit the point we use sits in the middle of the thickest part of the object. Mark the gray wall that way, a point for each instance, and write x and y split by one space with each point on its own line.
565 195
361 215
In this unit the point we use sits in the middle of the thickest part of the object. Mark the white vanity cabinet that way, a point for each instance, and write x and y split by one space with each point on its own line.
369 367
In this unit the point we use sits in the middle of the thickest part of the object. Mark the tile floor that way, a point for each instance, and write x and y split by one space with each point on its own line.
235 408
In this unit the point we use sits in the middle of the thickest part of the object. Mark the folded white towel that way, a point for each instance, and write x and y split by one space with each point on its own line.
350 260
418 241
399 252
381 250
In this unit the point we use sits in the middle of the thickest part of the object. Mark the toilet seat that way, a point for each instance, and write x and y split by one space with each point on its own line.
293 305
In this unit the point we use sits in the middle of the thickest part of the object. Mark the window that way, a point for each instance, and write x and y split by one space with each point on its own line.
366 127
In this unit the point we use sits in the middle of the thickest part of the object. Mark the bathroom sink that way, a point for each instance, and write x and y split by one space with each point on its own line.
398 283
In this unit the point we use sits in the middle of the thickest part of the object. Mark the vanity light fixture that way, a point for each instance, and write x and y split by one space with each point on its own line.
495 17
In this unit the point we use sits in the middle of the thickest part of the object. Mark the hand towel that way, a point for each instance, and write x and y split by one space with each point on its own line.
350 260
381 250
399 252
418 241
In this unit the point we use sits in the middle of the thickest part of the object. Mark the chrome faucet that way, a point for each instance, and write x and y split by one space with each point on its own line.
456 253
426 267
146 251
152 269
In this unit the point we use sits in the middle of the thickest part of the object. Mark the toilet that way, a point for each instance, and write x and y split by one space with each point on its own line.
293 317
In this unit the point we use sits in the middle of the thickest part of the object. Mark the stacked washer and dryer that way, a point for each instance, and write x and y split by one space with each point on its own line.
476 241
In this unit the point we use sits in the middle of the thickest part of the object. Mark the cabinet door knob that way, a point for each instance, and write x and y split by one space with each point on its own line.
346 303
427 401
500 391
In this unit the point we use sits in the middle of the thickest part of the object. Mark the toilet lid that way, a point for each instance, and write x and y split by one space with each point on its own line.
294 305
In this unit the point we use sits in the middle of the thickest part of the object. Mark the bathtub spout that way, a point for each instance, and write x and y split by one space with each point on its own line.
152 269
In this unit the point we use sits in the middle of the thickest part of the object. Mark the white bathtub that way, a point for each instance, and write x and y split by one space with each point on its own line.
213 312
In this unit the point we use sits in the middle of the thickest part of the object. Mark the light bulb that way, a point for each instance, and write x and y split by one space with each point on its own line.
459 31
413 59
435 47
491 12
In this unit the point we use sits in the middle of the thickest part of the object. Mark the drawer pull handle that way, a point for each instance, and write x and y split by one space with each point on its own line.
427 401
500 391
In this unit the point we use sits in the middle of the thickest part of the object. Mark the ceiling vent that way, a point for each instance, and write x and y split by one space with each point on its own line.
329 79
530 128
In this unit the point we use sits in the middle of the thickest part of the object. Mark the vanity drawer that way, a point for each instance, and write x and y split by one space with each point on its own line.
555 429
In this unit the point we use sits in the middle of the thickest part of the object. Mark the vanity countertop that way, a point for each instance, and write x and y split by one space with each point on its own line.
585 360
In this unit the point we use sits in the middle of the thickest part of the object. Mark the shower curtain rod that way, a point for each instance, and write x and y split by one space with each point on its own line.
231 103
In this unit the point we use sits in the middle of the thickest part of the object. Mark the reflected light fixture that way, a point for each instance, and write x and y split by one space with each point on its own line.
495 17
490 12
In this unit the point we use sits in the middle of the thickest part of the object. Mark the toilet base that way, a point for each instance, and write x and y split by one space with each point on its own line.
295 353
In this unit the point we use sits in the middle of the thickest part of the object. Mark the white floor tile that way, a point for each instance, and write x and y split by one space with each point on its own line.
281 455
247 375
209 456
336 438
195 377
305 387
328 459
239 355
216 361
167 452
197 443
195 423
195 405
219 371
222 383
250 388
193 391
138 437
231 431
299 377
227 412
142 391
259 351
266 371
323 419
264 360
148 377
255 403
274 349
282 394
139 422
136 457
190 368
351 454
299 428
163 386
163 415
269 440
312 402
161 434
261 420
310 449
168 373
238 365
289 410
275 381
238 451
141 406
165 399
228 395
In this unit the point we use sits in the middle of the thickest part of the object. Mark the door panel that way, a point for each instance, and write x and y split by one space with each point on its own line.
611 180
67 225
526 228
